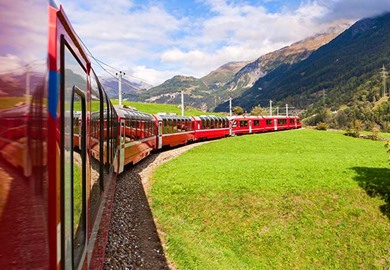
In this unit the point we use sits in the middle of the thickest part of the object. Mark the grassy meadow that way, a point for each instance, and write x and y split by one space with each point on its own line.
301 199
163 108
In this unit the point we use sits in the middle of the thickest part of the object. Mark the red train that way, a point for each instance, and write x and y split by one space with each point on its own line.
62 142
141 133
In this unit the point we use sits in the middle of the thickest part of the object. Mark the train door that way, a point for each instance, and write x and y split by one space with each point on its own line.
250 126
275 124
159 135
122 146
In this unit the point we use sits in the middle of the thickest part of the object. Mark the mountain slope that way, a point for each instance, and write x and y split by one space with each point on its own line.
336 68
294 53
169 92
219 77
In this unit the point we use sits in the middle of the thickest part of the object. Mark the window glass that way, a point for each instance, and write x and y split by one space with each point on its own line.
243 123
256 123
96 148
268 122
74 159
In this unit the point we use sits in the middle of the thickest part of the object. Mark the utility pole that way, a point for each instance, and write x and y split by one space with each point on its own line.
182 103
277 110
270 107
230 106
286 109
120 75
384 76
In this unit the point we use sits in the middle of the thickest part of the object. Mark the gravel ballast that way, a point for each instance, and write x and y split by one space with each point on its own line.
133 240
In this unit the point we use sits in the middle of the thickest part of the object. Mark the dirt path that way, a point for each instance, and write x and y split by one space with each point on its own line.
133 241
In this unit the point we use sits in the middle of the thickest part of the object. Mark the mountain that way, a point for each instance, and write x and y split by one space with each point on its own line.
169 91
129 88
231 79
219 77
330 74
294 53
197 92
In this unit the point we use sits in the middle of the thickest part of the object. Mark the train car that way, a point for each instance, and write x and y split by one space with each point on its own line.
174 130
55 195
254 124
251 124
294 122
138 136
211 127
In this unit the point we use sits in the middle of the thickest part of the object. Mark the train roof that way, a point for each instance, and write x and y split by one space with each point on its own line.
170 116
132 114
210 117
262 117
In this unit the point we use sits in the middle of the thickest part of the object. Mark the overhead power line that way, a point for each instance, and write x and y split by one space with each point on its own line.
101 63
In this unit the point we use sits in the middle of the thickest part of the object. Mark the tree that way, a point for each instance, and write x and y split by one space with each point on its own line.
357 127
237 110
257 110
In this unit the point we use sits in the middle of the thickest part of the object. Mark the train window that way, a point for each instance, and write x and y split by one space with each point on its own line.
243 123
282 121
143 129
74 159
96 148
268 122
114 133
291 121
256 123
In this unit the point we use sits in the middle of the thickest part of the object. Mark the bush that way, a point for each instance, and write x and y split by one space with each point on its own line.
238 110
375 132
322 126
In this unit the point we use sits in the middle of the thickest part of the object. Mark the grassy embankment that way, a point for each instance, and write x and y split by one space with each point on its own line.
289 200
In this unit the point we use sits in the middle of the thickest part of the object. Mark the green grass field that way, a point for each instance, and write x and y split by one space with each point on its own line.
163 108
301 199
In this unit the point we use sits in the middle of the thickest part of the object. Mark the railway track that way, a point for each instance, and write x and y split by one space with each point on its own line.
133 239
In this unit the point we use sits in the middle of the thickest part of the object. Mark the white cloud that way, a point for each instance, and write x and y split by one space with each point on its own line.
150 41
152 76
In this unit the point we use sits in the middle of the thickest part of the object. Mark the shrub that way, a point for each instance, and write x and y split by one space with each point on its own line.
375 132
322 126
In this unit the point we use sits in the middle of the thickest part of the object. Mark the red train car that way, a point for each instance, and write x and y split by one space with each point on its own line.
211 127
254 124
137 133
54 193
174 130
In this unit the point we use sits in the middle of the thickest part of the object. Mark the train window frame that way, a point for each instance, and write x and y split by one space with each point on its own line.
268 122
66 199
256 123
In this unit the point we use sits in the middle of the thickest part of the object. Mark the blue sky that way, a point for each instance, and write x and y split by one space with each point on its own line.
154 40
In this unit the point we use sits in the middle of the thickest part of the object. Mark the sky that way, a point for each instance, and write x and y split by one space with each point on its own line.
154 40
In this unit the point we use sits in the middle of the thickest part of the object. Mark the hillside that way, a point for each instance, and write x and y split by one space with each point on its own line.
344 70
219 77
294 53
